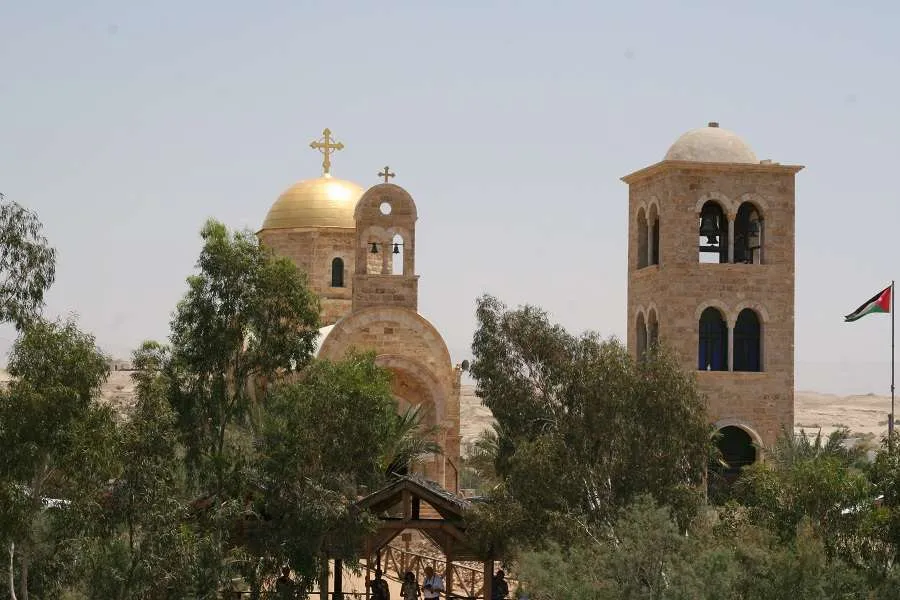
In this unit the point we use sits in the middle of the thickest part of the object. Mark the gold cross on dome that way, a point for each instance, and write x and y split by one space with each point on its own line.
386 173
327 146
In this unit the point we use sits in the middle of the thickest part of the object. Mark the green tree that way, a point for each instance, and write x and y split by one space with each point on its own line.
812 481
55 440
480 460
146 554
247 318
583 428
27 264
247 321
410 441
321 443
644 555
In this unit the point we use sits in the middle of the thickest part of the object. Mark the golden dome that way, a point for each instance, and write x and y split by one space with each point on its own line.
322 202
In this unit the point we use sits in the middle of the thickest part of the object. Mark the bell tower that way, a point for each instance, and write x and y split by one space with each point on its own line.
385 248
711 277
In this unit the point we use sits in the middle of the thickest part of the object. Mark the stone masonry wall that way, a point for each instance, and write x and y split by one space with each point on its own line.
386 290
313 250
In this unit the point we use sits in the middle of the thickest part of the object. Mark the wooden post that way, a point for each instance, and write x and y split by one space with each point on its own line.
448 576
323 581
368 570
488 578
338 579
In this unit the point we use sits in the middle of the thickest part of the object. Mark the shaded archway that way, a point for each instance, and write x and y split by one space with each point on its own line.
641 333
652 329
736 446
747 342
653 235
642 240
712 350
748 232
713 240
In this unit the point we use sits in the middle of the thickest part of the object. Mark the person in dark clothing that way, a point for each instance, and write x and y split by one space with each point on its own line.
499 587
379 587
284 586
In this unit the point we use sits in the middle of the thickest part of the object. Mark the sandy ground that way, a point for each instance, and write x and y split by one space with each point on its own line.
861 414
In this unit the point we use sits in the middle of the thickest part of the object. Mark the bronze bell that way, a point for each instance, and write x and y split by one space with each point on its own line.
709 227
396 248
374 249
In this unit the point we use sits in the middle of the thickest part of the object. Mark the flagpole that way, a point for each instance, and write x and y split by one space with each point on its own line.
891 424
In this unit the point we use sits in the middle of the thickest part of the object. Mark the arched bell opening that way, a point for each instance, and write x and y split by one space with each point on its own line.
642 238
641 333
713 240
653 235
397 255
712 350
748 235
374 261
652 329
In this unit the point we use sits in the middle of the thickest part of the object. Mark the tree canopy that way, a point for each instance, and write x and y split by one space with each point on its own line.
582 428
27 264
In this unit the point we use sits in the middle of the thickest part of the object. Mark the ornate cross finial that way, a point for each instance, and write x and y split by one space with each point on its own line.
386 173
327 146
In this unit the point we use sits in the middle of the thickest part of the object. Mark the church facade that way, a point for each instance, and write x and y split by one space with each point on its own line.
711 276
357 248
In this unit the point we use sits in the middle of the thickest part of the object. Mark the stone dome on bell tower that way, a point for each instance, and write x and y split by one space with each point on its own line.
711 144
312 223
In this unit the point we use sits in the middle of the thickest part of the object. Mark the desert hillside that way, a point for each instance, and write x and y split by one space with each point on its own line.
813 410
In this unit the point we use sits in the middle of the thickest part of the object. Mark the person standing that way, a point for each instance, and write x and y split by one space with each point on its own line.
433 584
284 586
499 587
379 586
410 588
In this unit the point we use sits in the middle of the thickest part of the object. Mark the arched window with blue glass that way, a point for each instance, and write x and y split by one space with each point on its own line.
712 353
747 342
337 273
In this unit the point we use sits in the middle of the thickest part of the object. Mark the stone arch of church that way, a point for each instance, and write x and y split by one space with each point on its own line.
427 390
746 428
400 200
728 205
756 200
652 203
759 309
740 424
715 303
400 338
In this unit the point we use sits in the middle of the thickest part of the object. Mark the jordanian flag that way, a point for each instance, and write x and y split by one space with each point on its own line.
879 303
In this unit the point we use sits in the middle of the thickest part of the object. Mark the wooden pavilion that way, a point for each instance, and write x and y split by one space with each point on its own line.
413 503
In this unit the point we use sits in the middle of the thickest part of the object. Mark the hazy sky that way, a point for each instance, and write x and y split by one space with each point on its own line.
126 124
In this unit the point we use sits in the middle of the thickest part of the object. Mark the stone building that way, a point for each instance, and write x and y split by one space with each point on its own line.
357 248
711 276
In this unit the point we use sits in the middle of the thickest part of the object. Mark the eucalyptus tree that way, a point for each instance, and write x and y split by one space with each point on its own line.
27 264
583 428
56 443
